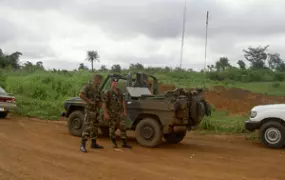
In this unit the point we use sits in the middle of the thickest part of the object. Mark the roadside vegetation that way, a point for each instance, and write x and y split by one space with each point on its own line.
41 93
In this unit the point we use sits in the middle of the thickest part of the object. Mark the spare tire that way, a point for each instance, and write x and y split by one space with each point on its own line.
196 111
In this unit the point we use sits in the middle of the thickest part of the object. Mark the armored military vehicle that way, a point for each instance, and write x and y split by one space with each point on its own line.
152 115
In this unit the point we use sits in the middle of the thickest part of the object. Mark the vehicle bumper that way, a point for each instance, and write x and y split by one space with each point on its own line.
5 107
251 125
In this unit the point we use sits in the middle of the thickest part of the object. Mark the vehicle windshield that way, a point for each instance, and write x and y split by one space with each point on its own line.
2 91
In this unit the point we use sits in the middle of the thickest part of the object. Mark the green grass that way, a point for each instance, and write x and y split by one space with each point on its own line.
41 94
221 122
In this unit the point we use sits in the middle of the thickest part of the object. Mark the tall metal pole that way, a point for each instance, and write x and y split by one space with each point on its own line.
183 31
207 17
206 50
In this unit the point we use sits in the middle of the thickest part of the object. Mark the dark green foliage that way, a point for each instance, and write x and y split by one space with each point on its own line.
116 68
241 64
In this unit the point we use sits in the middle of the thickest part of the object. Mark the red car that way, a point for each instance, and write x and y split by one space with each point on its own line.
7 103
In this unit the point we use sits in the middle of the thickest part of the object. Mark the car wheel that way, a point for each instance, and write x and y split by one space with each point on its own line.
3 114
148 132
272 134
175 137
75 123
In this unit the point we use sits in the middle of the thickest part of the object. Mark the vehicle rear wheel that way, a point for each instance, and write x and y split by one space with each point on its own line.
148 132
75 123
105 131
3 114
272 134
175 137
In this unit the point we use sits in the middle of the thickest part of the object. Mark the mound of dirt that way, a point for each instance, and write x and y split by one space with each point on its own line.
238 101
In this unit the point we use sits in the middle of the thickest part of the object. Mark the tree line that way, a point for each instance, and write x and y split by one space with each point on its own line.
258 59
12 61
263 66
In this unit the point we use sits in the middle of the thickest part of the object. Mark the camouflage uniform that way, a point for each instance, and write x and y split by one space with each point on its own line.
91 112
91 121
115 110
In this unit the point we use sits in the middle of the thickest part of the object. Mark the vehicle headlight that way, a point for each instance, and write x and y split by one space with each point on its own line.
253 114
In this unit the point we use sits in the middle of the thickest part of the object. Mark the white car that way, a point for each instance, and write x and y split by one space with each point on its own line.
270 120
7 103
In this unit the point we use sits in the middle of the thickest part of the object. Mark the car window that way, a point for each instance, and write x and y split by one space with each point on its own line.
2 91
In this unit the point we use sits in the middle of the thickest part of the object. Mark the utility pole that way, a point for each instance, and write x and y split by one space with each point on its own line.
183 31
206 40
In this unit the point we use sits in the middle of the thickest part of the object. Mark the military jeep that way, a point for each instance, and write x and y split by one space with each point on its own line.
151 114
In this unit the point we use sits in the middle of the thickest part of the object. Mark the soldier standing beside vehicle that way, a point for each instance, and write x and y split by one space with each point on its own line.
91 95
115 112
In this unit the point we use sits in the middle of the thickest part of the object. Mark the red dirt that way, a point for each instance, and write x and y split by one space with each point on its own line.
238 101
36 150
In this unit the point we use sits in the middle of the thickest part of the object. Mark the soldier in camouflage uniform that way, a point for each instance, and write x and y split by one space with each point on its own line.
91 95
115 112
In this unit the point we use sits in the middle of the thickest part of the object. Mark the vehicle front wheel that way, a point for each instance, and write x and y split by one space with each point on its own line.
75 123
148 132
272 134
175 137
3 114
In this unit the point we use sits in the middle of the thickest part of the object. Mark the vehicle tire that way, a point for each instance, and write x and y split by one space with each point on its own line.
3 114
272 134
175 137
148 132
105 131
75 123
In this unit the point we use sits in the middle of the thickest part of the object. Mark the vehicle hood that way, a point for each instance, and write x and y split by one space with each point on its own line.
269 107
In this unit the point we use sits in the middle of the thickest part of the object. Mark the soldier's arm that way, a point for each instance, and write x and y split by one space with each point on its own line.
105 100
82 95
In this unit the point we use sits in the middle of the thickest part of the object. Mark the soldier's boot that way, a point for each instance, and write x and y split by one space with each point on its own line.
83 145
95 145
114 142
125 145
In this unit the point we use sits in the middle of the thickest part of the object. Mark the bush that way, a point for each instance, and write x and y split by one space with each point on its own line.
245 75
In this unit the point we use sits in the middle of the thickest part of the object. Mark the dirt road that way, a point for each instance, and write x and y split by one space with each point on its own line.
40 150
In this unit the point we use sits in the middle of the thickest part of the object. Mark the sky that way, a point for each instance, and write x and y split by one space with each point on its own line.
60 32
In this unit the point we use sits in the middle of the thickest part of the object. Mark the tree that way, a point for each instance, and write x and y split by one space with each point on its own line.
256 56
92 56
11 60
14 59
137 66
211 67
167 69
222 64
40 65
82 67
103 68
275 62
241 64
116 68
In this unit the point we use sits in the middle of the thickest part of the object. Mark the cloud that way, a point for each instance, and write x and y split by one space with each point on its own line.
7 31
163 19
131 31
